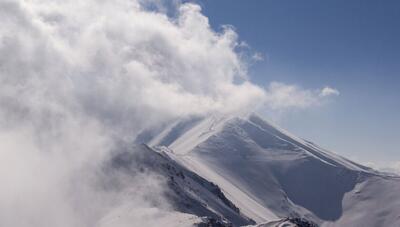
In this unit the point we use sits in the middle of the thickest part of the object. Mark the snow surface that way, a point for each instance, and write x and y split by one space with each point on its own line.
270 174
150 217
184 190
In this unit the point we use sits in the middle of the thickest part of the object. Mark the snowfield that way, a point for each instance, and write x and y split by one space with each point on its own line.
244 171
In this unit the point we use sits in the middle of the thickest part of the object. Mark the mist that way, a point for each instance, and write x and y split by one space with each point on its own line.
79 78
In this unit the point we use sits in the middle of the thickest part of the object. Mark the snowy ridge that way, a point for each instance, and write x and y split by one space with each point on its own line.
311 148
270 174
200 132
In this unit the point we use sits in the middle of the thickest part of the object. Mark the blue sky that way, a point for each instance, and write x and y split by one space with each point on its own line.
353 46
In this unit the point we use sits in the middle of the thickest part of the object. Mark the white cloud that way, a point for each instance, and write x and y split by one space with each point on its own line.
76 75
328 91
257 56
280 96
394 167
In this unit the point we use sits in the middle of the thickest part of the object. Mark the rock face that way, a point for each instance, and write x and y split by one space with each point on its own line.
261 172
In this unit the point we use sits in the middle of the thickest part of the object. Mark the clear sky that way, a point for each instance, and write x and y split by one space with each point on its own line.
353 46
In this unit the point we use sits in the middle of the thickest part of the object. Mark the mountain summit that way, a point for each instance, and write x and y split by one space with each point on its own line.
272 177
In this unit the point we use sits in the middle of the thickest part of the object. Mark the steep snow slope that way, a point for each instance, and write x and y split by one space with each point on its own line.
184 190
269 174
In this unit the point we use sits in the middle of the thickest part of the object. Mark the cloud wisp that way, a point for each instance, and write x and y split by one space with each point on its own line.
280 96
328 91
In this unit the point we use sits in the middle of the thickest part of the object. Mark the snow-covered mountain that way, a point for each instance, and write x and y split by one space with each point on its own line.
186 191
246 171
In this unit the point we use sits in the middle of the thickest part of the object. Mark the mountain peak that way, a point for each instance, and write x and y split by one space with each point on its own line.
268 173
182 137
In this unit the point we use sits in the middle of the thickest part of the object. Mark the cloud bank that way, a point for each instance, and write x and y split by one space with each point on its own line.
77 77
280 96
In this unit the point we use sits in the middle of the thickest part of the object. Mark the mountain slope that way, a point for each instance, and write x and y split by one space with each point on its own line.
185 191
269 174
